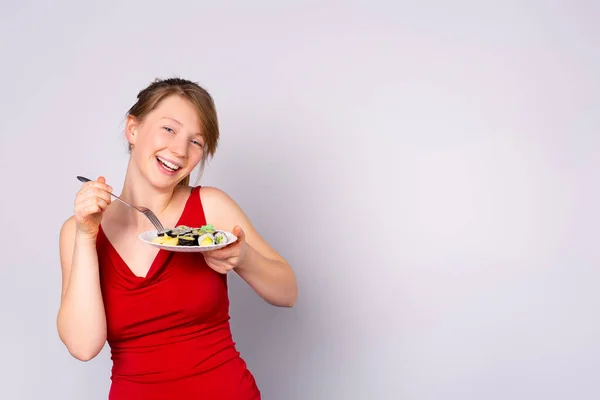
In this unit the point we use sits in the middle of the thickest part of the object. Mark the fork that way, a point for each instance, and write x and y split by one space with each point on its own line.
146 211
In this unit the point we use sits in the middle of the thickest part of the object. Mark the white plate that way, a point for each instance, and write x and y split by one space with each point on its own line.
147 237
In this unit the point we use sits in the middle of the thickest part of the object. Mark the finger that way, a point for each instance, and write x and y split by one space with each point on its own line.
223 253
96 192
100 185
92 209
212 258
89 210
82 203
221 265
221 258
98 201
103 194
239 232
218 265
96 184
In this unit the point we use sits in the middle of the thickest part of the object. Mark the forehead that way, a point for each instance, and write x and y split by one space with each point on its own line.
179 109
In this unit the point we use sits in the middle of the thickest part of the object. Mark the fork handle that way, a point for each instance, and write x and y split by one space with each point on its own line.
83 179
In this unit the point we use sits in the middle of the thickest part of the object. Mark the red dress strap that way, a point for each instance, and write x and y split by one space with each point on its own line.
193 213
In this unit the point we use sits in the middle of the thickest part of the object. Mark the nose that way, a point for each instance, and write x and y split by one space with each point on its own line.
180 148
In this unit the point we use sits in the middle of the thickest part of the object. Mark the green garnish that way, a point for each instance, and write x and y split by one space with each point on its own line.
207 228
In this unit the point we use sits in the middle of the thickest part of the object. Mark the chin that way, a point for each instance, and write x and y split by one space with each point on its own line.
165 182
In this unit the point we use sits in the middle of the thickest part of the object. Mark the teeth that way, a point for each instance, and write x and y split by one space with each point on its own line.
168 164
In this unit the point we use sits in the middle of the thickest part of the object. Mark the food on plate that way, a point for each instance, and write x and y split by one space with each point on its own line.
183 235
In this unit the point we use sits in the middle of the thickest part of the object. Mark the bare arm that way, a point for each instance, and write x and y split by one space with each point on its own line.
81 320
265 270
269 275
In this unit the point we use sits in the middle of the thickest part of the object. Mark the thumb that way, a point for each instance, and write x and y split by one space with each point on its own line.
239 232
101 179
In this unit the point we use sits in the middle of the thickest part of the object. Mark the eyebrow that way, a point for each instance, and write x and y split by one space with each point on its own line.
173 119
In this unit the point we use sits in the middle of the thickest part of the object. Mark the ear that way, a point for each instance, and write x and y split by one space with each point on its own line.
131 128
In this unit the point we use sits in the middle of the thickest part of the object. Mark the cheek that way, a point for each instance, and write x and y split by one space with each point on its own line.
197 154
152 141
159 139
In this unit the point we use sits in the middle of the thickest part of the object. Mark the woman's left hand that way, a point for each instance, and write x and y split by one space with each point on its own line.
229 257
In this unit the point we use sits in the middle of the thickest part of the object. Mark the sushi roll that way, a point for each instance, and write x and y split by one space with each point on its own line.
159 239
166 240
187 240
179 231
220 237
197 232
206 239
171 233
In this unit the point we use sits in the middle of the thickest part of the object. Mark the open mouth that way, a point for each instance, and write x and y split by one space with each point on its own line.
166 164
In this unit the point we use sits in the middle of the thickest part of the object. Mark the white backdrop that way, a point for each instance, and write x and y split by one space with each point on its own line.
429 170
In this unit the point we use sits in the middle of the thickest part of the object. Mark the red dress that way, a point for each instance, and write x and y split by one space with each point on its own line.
169 332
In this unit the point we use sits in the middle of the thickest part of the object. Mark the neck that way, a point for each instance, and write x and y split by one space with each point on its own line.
139 192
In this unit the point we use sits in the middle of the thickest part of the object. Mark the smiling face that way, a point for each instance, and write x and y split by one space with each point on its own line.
168 143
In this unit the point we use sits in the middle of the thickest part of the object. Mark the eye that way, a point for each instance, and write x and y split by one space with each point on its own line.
166 128
198 143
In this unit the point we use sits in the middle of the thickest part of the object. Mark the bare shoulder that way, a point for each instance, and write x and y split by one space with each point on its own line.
218 204
222 211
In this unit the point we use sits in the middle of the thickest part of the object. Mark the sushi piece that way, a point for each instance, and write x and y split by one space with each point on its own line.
166 240
206 240
171 233
187 240
220 237
197 232
183 235
178 231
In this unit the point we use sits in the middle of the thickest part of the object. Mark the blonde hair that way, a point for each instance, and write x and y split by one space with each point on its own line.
149 98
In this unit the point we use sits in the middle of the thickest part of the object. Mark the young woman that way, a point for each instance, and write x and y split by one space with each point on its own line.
164 314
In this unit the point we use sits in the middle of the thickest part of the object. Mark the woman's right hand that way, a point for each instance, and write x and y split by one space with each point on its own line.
90 203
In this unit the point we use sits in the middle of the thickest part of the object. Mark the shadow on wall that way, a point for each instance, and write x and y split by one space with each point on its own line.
268 337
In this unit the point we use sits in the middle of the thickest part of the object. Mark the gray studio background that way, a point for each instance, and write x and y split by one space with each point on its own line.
431 172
